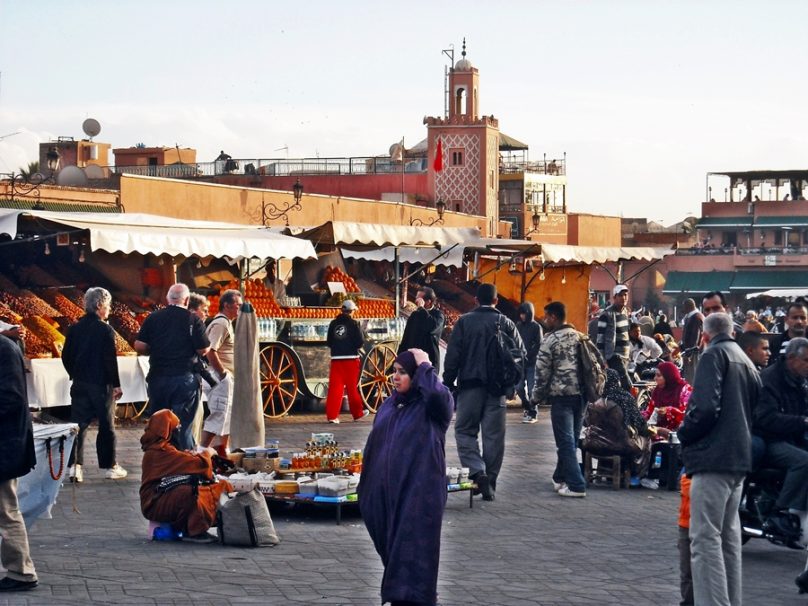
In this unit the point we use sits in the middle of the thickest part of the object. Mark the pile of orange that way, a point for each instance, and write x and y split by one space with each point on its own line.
335 274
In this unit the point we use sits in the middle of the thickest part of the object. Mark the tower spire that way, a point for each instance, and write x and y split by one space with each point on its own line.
464 47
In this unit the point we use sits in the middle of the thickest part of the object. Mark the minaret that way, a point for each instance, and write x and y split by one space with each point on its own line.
468 179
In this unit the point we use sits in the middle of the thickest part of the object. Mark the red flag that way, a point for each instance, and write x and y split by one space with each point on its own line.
438 164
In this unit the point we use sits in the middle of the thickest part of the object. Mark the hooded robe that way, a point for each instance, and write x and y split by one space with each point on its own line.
402 491
190 509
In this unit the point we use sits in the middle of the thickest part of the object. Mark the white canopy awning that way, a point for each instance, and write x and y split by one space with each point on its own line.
142 233
448 257
780 292
559 253
378 235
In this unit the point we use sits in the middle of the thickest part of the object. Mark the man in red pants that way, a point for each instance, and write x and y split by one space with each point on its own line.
345 340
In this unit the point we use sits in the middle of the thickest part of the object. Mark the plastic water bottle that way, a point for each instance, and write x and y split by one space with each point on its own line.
658 460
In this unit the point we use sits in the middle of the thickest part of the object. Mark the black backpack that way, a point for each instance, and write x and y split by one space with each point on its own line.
504 363
592 368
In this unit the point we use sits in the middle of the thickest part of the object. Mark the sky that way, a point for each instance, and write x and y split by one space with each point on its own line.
645 97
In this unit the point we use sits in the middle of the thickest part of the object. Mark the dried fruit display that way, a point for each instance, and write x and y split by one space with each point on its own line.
8 286
63 305
123 321
34 306
9 315
45 332
34 347
122 348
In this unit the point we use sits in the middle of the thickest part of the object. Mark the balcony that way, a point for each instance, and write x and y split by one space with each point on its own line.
279 167
789 256
542 167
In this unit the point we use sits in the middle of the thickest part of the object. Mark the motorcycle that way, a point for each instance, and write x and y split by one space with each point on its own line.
760 491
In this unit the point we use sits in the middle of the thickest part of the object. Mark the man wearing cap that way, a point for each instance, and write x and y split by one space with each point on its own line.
613 340
345 340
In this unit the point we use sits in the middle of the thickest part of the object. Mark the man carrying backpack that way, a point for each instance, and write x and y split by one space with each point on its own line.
558 383
479 396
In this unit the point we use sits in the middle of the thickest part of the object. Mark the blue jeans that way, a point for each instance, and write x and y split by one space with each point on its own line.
180 394
566 416
530 379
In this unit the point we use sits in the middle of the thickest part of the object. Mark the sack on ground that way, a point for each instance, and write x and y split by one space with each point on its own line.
593 369
244 520
504 363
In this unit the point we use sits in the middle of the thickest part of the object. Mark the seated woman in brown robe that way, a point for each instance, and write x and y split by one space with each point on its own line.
189 508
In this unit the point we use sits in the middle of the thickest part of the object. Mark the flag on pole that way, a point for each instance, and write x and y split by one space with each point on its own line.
438 164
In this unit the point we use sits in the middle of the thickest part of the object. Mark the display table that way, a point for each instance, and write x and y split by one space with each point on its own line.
37 490
352 499
49 385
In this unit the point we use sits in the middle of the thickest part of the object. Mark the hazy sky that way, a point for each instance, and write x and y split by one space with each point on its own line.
645 97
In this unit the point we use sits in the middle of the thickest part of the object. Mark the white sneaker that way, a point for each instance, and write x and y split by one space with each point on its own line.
528 418
565 491
76 474
558 485
649 484
365 413
334 421
116 472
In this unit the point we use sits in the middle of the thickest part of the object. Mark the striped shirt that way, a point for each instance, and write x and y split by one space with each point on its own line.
613 333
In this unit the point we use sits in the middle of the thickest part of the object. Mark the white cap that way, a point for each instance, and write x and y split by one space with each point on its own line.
619 289
349 305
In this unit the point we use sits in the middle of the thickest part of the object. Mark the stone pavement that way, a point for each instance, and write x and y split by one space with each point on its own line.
528 547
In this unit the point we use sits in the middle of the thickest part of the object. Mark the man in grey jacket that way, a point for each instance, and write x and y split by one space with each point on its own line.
478 409
558 384
716 449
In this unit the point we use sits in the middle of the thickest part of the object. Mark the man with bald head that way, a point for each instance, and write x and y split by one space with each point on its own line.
173 338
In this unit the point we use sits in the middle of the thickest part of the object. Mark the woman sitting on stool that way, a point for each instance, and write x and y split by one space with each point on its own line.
668 400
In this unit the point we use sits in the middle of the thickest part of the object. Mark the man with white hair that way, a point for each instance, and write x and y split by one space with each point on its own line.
174 338
716 450
89 358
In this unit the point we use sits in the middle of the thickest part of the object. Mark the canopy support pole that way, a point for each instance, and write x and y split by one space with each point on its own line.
430 262
398 281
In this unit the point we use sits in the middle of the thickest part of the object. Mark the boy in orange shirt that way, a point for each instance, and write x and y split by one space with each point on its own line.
685 577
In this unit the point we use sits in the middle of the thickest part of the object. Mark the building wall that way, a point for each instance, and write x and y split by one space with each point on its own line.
593 230
139 156
213 202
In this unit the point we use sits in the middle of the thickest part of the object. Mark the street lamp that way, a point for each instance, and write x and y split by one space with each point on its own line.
271 211
535 219
440 208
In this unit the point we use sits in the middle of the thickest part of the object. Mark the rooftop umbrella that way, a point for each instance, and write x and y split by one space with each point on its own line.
247 420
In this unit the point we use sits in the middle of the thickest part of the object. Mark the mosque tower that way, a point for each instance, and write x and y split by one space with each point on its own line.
466 177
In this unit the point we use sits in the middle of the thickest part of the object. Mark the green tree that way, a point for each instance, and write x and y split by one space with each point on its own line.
27 174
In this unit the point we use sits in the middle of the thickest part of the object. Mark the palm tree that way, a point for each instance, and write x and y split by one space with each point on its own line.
27 174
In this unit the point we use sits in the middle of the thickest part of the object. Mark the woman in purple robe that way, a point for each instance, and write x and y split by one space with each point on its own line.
402 492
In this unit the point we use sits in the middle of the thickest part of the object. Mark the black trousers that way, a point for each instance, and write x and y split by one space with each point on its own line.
88 402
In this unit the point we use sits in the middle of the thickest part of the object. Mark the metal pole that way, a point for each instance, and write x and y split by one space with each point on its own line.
398 286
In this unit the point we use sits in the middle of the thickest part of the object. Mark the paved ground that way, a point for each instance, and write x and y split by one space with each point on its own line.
528 547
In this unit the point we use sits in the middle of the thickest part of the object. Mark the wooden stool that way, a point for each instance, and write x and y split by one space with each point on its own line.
608 468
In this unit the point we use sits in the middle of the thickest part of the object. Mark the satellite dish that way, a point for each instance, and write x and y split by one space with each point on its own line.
396 152
71 176
91 127
93 171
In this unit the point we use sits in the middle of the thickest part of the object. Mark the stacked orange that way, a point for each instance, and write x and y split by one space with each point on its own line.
335 274
375 308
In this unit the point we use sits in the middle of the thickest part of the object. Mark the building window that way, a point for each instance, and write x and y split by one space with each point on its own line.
456 156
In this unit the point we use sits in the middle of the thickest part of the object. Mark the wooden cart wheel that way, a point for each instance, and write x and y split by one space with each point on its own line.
376 380
279 379
130 410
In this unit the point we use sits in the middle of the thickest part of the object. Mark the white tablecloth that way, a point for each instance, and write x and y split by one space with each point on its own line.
49 385
37 490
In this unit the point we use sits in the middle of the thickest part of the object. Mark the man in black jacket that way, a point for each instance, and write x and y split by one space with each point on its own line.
531 333
781 419
478 410
796 322
17 458
345 340
424 327
89 358
716 449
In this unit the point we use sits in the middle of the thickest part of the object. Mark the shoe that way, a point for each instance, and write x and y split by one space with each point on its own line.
529 418
203 538
365 413
483 486
783 524
76 474
334 421
565 491
116 472
802 582
649 484
9 584
558 485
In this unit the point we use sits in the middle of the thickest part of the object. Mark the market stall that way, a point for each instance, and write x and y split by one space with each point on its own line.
52 257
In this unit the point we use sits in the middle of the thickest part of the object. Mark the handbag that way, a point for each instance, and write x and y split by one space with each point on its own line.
244 520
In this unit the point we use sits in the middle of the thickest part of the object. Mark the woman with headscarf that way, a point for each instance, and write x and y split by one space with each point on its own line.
668 399
190 508
614 426
402 492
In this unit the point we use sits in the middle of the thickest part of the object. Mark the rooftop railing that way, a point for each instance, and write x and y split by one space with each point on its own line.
543 167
